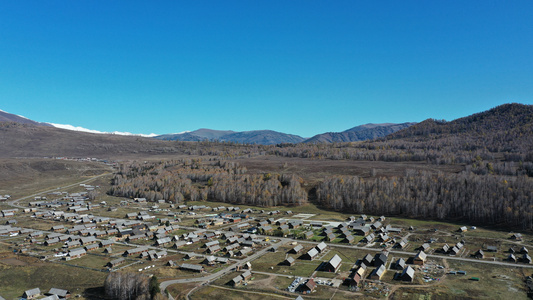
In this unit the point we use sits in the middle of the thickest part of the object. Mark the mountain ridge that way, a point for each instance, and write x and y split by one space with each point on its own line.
9 117
508 123
503 117
263 137
364 132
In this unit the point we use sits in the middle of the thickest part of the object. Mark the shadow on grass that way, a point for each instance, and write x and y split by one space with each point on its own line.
94 293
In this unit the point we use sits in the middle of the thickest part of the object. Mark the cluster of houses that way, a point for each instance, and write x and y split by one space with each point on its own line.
72 211
234 215
332 265
80 239
368 227
314 252
234 244
62 199
452 250
244 277
141 215
52 294
239 219
268 226
228 209
10 230
379 260
521 255
6 213
238 280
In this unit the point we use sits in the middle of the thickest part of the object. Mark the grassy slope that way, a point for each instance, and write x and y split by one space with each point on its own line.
15 279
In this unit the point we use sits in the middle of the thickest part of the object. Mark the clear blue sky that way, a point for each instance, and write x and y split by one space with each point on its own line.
301 67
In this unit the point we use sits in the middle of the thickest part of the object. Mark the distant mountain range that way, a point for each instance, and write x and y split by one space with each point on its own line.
499 119
263 137
504 128
269 137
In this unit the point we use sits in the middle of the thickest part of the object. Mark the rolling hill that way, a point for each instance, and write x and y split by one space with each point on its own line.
195 136
262 137
28 140
7 117
504 118
505 128
360 133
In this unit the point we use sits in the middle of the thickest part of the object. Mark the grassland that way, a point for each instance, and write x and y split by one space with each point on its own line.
20 273
23 177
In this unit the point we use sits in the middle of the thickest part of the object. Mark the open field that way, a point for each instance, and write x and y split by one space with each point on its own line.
22 273
23 177
313 170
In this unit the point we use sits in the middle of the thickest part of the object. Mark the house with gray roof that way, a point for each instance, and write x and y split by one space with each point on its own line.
289 261
59 292
135 251
399 264
378 272
88 240
321 247
163 241
32 294
369 238
408 274
420 258
311 254
179 244
333 264
76 253
244 251
296 249
359 230
236 281
191 267
91 247
380 259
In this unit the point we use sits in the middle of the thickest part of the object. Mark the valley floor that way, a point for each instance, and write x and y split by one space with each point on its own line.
30 256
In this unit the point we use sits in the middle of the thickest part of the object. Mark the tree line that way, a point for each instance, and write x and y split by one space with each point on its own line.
487 199
214 180
131 286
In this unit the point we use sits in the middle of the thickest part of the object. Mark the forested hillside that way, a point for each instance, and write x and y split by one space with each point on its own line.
504 132
359 133
510 118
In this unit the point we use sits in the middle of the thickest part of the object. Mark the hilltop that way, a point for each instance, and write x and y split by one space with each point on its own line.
359 133
508 127
262 137
28 140
7 117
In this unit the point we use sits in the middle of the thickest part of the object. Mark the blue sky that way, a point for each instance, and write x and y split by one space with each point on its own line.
301 67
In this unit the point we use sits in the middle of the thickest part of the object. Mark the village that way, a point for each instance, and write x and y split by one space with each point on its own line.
233 246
